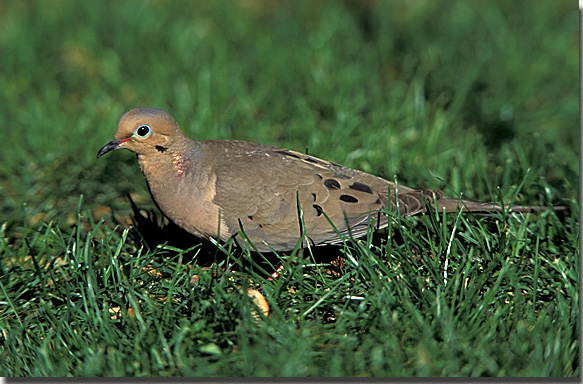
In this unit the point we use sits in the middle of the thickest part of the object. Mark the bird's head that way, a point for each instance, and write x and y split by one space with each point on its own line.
144 130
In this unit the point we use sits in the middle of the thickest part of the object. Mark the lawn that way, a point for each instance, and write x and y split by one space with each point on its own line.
475 98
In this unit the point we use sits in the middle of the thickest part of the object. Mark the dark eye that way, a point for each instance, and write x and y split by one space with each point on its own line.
143 131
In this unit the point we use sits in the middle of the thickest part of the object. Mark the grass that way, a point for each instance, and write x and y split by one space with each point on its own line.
479 99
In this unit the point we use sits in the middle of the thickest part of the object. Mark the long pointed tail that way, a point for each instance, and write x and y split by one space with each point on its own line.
451 204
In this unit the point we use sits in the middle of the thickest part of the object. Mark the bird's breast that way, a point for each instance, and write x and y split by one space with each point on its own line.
184 193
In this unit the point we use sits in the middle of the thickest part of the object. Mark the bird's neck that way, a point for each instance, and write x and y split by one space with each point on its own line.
170 162
169 165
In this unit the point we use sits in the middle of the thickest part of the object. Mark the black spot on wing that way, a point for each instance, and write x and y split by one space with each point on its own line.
361 187
318 209
348 199
340 176
332 184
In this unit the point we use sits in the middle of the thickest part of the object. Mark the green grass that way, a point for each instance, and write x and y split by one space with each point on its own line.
476 98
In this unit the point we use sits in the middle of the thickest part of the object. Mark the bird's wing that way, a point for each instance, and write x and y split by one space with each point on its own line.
259 187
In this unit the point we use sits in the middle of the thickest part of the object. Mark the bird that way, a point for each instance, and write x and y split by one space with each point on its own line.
268 199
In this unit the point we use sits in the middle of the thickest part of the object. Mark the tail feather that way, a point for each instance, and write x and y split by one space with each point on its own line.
451 204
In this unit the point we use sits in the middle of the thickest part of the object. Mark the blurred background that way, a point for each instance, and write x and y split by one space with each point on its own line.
465 96
477 97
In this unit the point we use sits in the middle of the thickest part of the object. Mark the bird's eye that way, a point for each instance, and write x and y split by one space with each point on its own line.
143 131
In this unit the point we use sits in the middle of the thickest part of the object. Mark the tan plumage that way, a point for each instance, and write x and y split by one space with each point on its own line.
211 188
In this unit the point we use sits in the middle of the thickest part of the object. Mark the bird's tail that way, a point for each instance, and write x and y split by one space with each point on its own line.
451 204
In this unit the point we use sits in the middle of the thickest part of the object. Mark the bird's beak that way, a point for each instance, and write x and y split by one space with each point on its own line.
113 144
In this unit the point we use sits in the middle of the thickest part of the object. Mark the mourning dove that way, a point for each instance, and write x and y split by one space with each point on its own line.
220 188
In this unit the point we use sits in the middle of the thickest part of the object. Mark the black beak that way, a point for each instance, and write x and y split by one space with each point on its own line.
113 144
